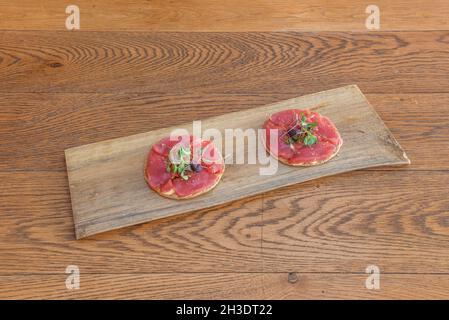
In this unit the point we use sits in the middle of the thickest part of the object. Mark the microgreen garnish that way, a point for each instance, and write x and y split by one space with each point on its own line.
302 131
179 162
309 140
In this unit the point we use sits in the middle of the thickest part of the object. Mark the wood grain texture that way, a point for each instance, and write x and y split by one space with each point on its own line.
35 129
306 228
225 286
402 226
294 63
231 15
101 201
421 124
37 235
63 89
123 286
352 286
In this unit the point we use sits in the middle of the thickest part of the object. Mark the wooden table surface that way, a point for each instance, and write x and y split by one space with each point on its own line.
136 66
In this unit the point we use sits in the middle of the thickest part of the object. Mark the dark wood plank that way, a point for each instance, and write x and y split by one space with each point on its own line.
420 123
35 129
396 219
295 63
230 15
352 286
37 235
393 219
225 286
135 286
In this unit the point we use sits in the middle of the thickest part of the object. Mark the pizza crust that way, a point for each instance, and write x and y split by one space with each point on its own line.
309 164
305 164
172 194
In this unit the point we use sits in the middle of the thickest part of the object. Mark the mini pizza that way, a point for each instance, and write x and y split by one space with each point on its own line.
183 168
305 138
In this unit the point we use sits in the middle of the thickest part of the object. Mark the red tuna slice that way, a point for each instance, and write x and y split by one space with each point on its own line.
171 184
167 187
284 150
283 119
296 153
156 170
209 153
211 158
216 168
327 131
164 146
199 182
314 154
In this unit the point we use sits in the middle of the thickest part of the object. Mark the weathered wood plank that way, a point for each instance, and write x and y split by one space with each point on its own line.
295 63
35 129
399 221
225 286
102 201
234 15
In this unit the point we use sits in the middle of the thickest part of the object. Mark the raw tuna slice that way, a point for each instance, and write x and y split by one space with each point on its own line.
173 170
304 137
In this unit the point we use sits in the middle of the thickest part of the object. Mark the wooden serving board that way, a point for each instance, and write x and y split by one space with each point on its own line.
107 184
